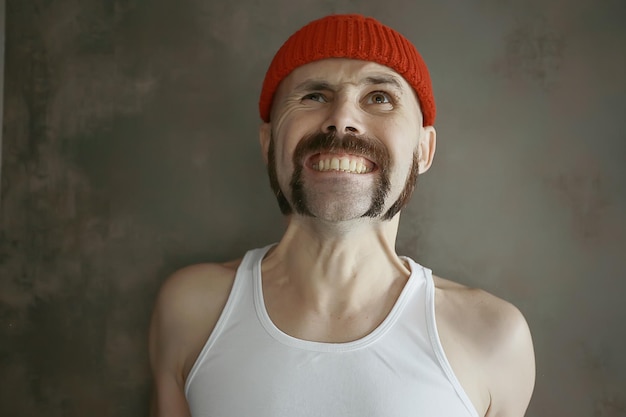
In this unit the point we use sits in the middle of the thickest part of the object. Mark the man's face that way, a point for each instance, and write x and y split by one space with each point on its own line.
346 141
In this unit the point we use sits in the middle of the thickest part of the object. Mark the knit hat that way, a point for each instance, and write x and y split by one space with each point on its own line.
350 36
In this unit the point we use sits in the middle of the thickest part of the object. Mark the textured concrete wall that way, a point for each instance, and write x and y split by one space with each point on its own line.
2 34
129 150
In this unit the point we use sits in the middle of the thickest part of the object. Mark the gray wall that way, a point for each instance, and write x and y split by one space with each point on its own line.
2 33
130 150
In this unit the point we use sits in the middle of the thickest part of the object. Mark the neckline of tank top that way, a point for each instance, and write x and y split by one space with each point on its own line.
417 272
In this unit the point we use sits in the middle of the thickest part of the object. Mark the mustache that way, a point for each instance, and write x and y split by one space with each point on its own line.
361 145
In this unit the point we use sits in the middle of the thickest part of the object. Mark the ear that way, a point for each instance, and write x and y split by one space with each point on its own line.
265 136
427 145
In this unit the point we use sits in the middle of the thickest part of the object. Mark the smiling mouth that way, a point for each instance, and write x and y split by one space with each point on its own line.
351 164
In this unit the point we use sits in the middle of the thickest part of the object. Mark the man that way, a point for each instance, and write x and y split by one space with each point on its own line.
330 321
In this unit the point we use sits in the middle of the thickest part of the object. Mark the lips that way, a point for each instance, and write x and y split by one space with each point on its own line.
352 164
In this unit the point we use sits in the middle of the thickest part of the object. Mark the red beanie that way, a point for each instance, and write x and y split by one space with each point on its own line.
350 36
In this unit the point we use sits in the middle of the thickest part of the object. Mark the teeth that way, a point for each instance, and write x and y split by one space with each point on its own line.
341 164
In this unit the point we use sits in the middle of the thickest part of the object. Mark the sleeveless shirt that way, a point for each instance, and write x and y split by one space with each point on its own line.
249 367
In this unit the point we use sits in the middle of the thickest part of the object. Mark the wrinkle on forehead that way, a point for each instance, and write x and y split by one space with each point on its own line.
335 74
389 80
342 71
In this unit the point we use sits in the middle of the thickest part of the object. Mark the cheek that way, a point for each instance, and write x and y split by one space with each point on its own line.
399 136
402 140
282 162
284 146
289 129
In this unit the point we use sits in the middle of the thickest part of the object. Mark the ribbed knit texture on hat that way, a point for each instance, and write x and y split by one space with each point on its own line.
350 36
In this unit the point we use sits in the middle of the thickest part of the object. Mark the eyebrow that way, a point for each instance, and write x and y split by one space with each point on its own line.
313 85
383 79
320 85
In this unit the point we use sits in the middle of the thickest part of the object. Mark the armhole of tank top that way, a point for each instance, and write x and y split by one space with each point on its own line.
246 263
438 347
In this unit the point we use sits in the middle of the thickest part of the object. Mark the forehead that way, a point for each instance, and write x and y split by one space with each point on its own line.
341 71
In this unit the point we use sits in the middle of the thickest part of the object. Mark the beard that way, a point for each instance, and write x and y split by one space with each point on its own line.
367 147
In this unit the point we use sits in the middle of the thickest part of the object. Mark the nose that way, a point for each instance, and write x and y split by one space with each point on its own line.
344 118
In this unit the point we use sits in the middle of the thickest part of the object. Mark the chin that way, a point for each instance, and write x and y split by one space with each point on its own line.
339 211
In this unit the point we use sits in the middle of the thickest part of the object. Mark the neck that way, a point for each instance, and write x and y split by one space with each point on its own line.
337 264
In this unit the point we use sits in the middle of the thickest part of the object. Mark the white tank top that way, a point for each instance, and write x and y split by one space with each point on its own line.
249 368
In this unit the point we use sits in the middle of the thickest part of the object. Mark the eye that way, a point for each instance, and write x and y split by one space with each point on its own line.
315 97
379 97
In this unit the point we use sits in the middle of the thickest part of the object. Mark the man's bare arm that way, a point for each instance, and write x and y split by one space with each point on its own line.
489 346
187 308
512 366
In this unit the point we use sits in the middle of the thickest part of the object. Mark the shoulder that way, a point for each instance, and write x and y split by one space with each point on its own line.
477 312
182 291
494 334
187 308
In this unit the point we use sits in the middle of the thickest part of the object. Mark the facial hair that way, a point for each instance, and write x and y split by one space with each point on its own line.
367 147
409 187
